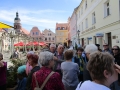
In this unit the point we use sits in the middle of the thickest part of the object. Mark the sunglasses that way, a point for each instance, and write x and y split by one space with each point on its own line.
61 48
114 49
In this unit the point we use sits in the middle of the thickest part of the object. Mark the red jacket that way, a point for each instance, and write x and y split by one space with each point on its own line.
54 82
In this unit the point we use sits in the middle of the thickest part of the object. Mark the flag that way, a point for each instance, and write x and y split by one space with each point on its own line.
3 25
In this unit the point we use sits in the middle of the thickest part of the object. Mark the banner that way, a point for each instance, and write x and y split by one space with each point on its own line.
3 25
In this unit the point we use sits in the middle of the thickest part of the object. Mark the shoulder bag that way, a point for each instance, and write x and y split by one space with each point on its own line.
37 86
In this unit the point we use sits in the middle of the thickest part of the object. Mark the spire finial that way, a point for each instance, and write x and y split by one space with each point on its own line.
16 14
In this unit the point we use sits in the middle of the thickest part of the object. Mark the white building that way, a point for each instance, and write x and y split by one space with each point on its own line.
99 22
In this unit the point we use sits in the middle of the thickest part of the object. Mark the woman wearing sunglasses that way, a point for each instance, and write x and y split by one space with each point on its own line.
116 54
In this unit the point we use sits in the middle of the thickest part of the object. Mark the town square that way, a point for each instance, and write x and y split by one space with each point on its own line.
60 45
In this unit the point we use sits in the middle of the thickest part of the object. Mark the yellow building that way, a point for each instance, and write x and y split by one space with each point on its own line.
62 33
99 22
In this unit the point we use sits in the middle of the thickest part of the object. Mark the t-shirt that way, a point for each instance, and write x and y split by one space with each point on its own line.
70 72
90 85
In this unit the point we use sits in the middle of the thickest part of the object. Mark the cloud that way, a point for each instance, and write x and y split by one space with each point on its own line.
41 18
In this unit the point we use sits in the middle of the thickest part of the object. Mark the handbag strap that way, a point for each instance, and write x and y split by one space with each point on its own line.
36 80
46 80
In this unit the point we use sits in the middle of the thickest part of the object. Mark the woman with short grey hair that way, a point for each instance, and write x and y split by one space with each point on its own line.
88 50
46 59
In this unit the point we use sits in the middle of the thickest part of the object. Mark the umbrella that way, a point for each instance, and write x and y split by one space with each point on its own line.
19 44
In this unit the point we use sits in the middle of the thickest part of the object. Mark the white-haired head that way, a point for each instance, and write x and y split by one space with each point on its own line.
45 58
91 48
53 45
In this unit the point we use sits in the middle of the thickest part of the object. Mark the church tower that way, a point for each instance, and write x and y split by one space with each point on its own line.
17 24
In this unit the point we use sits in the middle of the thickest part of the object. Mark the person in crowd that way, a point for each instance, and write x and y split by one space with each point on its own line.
117 68
70 71
53 49
98 45
22 80
116 54
88 50
106 48
59 58
15 54
54 83
33 61
80 60
28 66
102 69
3 70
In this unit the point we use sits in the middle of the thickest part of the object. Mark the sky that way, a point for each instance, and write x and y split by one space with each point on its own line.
41 13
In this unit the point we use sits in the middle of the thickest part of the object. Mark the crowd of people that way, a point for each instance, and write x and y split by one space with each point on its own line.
54 68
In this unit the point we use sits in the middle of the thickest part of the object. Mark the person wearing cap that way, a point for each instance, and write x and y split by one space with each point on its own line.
106 48
22 80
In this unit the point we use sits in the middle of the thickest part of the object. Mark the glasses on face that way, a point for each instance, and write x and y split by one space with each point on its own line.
105 45
61 48
114 49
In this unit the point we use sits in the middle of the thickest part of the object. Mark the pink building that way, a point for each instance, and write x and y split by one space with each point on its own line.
36 34
73 28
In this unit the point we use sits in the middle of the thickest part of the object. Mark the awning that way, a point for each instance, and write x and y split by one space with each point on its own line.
3 25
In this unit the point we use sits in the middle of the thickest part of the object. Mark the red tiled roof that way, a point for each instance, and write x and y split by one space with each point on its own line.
25 31
1 29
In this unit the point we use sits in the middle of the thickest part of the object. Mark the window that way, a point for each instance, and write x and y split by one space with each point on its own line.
63 28
93 18
81 10
36 33
85 4
50 34
49 39
79 27
79 14
33 33
58 28
106 9
86 23
53 38
82 25
45 39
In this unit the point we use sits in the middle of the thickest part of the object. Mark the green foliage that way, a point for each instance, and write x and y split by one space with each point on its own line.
12 72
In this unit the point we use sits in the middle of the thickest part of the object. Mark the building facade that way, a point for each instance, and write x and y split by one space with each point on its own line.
73 28
48 36
99 22
36 34
62 33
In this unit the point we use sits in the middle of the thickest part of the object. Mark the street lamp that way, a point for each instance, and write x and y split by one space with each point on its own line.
78 37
